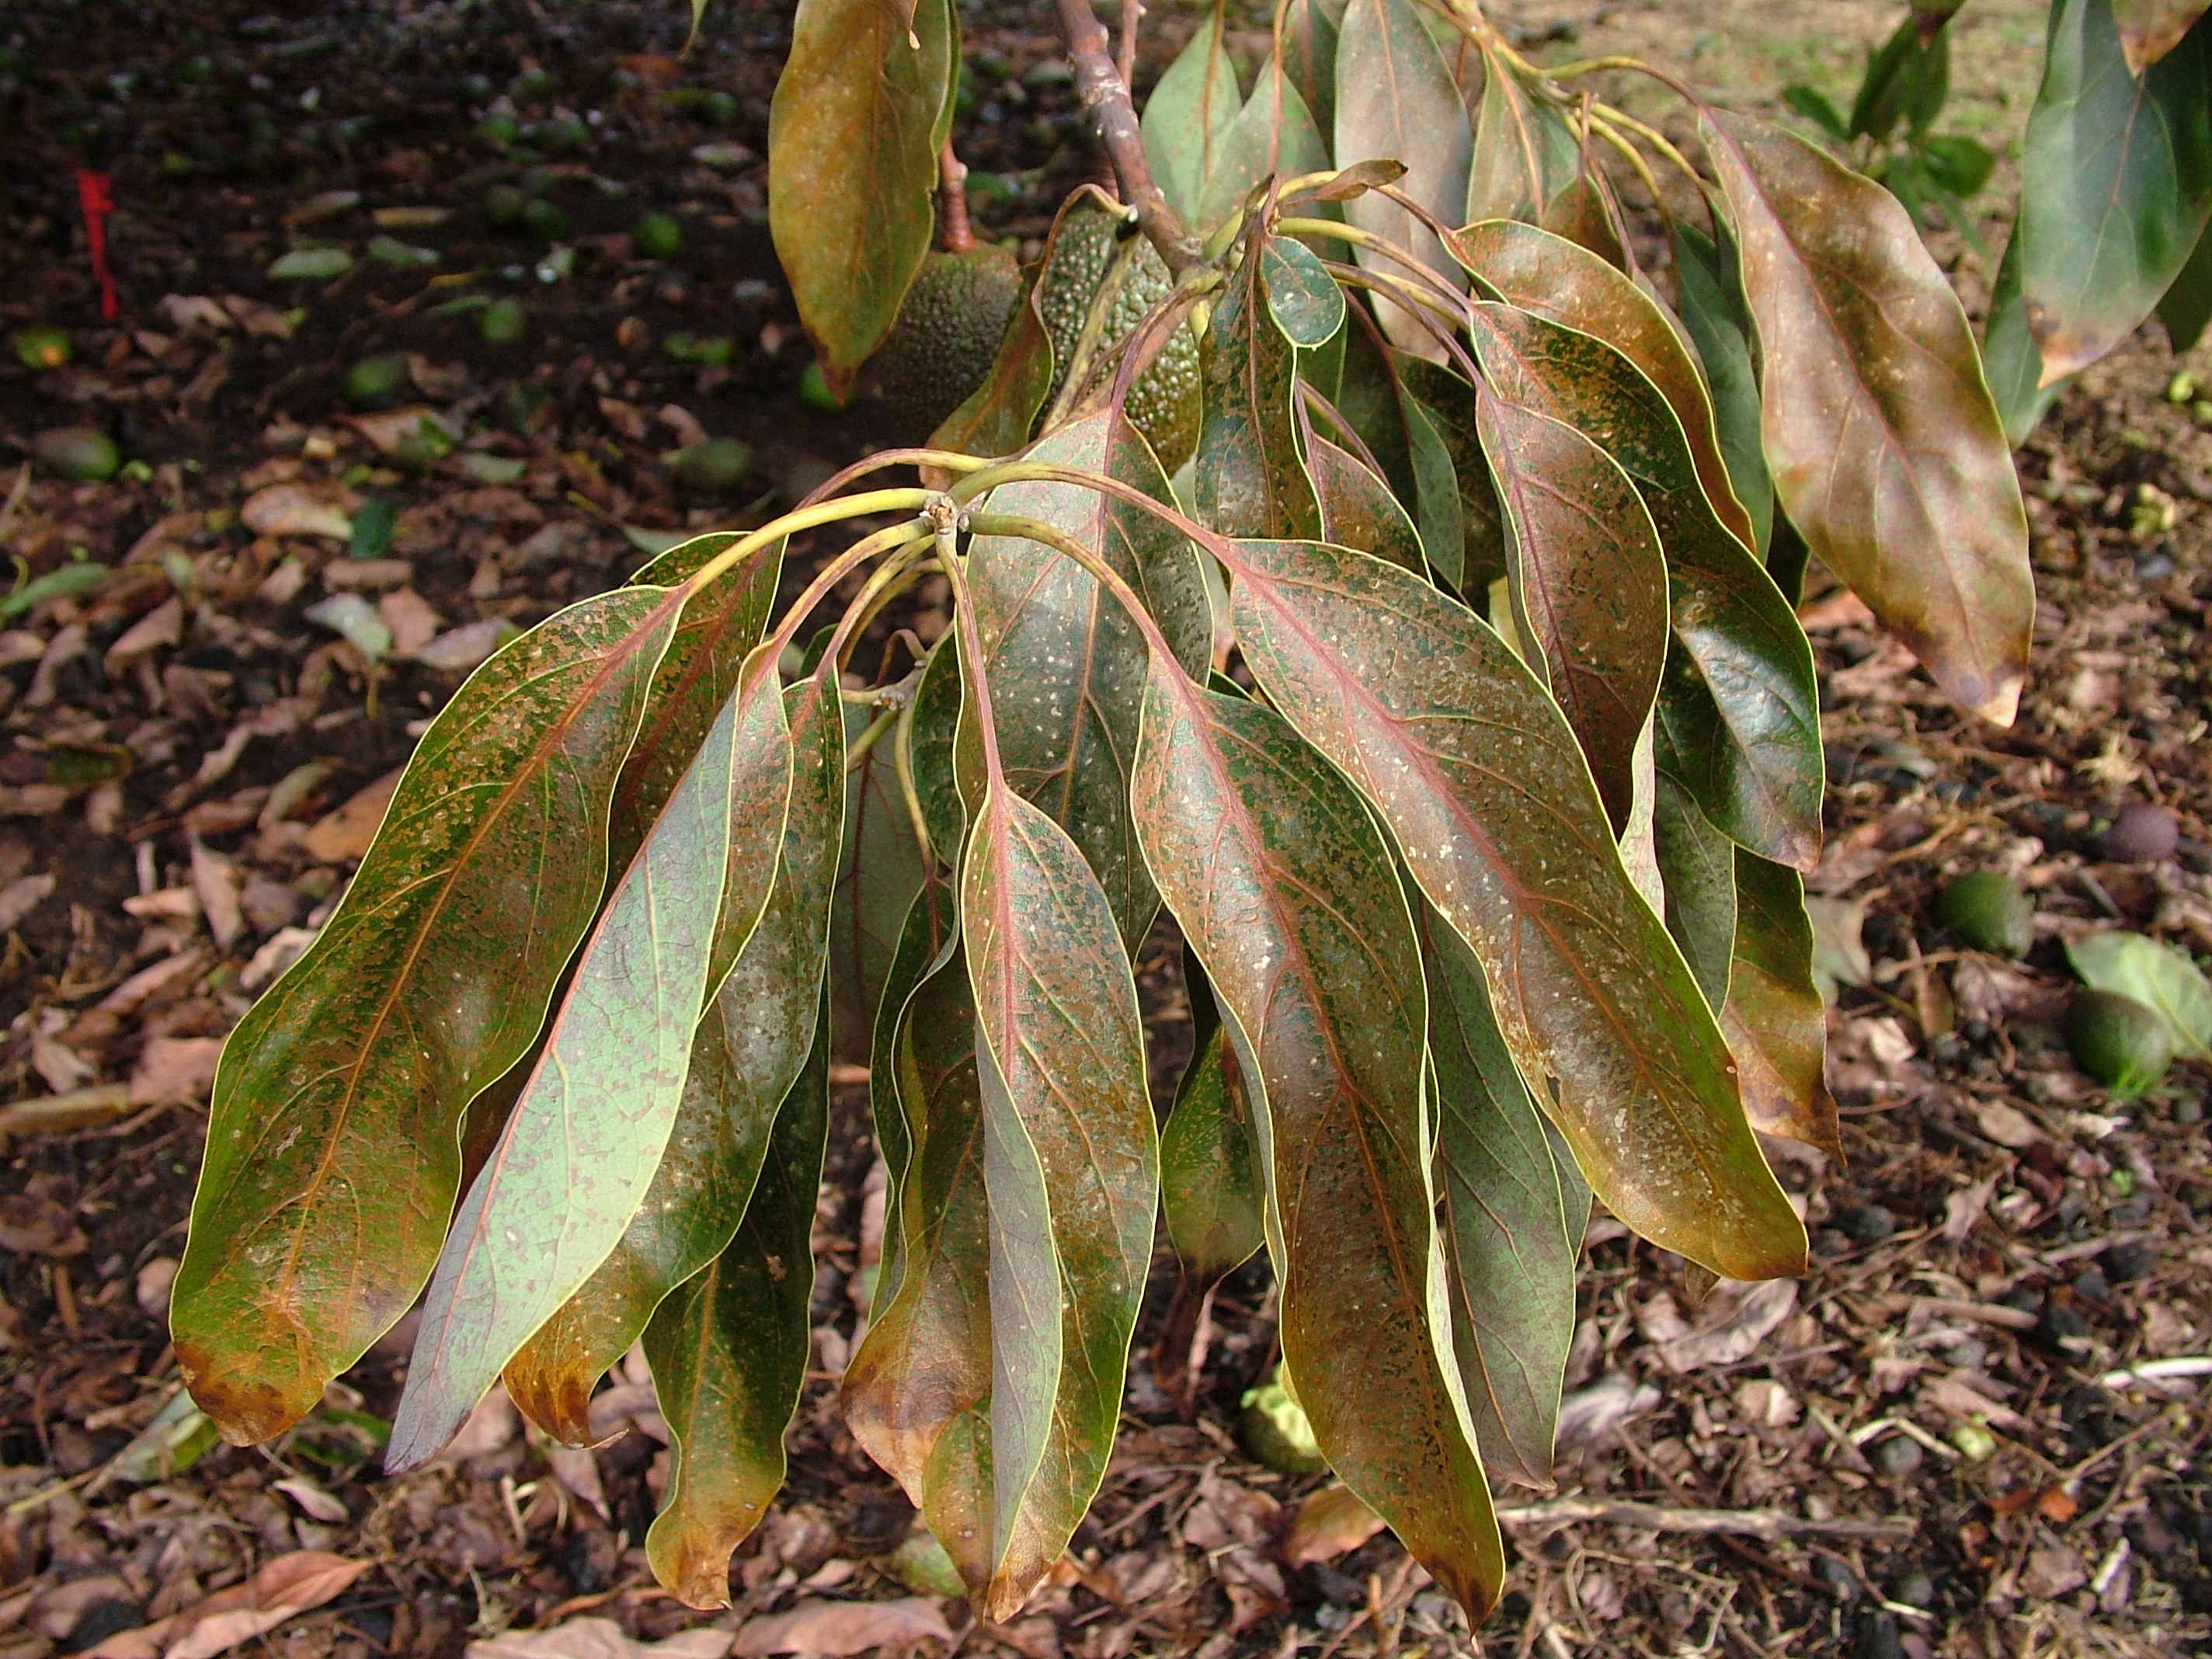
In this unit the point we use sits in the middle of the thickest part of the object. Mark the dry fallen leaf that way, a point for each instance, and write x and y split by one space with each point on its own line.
1329 1523
2007 1126
344 836
22 895
1731 1323
37 1226
836 1628
300 509
598 1638
179 1069
284 1589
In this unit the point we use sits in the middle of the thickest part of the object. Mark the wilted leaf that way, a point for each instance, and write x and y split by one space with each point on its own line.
880 868
1250 479
833 1629
598 1638
1274 135
728 1349
746 1053
2157 975
2116 184
334 1152
1306 38
1775 1023
1522 154
1282 884
1886 450
853 132
602 1098
924 940
1211 1186
1442 729
1514 1214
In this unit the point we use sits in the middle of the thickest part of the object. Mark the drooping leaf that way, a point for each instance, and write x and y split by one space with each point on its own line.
925 941
852 156
1709 294
334 1145
751 1044
1249 473
2187 305
1373 399
1523 153
1274 134
2161 977
1697 865
1777 1027
1187 120
1477 773
997 415
1585 214
1072 1169
1212 1187
1358 509
1072 661
1305 43
579 1151
2009 356
2149 29
880 868
1396 100
1886 449
1739 706
2116 184
916 1394
1589 581
1282 884
1445 405
728 1349
937 704
1514 1212
1540 272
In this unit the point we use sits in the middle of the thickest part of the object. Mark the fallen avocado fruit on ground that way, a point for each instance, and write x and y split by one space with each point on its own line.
1986 910
81 454
2118 1042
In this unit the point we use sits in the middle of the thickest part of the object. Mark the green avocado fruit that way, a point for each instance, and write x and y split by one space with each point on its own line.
42 348
81 454
503 322
1164 403
947 334
375 380
1986 910
2118 1042
814 392
544 221
1275 1432
719 466
656 236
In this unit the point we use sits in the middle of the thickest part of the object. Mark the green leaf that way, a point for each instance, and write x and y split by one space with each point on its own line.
1076 660
1305 41
751 1044
1211 1186
1072 1169
1282 884
2187 305
2149 29
1813 104
1358 509
1399 432
333 1152
1514 1213
728 1350
1539 272
916 1394
1187 118
937 705
1697 864
580 1151
2009 356
1523 153
1886 449
852 156
880 869
1274 135
1585 214
1250 478
1589 582
1396 99
1477 774
1441 415
1301 296
928 937
997 417
2116 184
1775 1023
2159 977
1709 294
1907 78
1957 163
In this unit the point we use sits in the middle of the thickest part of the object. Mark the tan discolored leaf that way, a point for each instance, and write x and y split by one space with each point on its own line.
2149 29
1777 1026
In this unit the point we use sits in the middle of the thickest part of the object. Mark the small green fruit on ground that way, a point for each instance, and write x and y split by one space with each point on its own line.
502 322
2118 1042
1985 911
503 206
947 334
656 236
716 467
375 380
544 221
82 454
1274 1430
814 392
42 348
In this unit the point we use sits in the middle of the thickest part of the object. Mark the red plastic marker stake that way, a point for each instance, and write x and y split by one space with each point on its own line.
97 194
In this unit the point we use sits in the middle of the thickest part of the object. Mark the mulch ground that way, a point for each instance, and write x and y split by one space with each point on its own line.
1942 1442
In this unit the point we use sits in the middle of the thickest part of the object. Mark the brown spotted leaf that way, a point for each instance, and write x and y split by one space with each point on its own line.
1250 478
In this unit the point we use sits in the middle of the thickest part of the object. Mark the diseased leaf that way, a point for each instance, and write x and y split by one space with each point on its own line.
1885 447
2149 29
1586 215
1709 294
2116 184
334 1145
1475 771
1072 1169
728 1350
1302 297
1282 884
1446 403
1539 272
880 868
1250 474
1358 509
1187 118
937 704
579 1151
1396 100
1697 865
1776 1024
1211 1186
751 1044
1589 581
1514 1213
1072 663
1399 433
852 154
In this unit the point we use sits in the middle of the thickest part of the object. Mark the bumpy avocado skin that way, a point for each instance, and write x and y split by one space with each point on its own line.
2118 1042
1164 404
947 334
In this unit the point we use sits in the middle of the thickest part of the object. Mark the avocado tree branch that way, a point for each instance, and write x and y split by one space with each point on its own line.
1106 96
952 202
